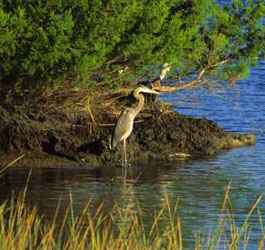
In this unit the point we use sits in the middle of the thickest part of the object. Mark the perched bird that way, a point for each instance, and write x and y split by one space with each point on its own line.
124 124
156 83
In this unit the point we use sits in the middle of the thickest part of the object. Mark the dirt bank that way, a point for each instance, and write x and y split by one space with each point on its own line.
69 129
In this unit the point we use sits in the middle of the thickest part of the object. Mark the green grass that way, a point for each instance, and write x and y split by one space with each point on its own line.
22 228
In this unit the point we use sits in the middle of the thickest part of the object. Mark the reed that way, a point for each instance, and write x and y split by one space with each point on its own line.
22 228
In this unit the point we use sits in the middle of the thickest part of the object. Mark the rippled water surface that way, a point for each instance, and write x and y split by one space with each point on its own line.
198 184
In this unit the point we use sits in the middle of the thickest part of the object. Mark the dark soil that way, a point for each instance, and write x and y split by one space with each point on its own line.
63 130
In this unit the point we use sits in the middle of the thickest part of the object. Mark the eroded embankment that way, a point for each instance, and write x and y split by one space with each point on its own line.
66 130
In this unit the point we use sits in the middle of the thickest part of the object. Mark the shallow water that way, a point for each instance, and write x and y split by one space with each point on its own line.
197 184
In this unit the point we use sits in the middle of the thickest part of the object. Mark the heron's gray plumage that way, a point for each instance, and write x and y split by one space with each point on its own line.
123 127
125 121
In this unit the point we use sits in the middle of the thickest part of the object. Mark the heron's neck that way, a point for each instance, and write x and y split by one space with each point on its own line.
140 103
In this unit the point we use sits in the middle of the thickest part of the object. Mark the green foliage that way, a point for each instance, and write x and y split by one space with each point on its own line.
43 42
234 34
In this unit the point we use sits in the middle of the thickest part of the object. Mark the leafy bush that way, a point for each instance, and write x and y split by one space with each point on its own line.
43 42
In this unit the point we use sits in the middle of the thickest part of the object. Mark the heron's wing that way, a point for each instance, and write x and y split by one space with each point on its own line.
123 127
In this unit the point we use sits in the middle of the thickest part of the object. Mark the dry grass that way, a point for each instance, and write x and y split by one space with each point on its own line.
22 228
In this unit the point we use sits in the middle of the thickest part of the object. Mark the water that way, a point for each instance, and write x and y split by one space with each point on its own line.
198 185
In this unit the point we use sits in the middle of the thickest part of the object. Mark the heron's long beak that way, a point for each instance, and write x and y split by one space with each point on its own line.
144 89
154 92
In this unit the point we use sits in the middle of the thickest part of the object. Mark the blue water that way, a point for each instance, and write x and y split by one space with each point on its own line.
197 184
238 109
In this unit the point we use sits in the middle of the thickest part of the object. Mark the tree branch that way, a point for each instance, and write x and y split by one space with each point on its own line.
192 83
175 88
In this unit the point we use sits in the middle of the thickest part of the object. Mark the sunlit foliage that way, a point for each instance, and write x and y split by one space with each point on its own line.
89 42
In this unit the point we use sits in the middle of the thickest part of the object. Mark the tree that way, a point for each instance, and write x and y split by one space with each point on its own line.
89 42
233 39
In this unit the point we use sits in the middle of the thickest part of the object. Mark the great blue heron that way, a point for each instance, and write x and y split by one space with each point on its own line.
124 123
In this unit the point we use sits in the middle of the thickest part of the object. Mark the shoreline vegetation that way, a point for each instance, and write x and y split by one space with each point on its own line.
21 227
68 70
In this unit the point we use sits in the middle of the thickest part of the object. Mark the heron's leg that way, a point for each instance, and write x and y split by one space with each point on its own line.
124 153
122 157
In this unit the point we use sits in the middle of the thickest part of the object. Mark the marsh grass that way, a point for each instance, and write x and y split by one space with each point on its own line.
121 228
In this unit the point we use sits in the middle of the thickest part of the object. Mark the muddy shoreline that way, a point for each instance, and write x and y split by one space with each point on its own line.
159 134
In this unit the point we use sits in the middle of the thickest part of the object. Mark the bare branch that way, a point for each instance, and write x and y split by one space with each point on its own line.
174 88
192 83
218 64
